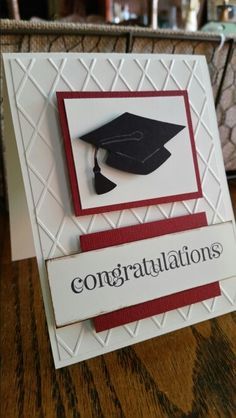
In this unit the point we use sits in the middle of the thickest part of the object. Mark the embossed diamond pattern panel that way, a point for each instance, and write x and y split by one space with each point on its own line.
58 229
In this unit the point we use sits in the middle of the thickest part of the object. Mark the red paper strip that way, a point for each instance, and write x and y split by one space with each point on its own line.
143 231
155 307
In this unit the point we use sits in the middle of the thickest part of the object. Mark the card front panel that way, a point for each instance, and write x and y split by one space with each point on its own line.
56 229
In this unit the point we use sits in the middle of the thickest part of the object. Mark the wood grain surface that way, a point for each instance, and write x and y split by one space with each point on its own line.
188 373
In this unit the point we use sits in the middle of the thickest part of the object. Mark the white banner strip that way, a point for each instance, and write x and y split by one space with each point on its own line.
88 284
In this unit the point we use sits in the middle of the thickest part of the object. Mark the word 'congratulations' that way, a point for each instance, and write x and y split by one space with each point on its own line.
171 260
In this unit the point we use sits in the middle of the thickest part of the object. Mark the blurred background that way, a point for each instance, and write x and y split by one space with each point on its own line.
173 14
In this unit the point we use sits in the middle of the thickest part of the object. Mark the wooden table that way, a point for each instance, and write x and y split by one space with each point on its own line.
188 373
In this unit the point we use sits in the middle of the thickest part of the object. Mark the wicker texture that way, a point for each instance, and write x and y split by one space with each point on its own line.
226 113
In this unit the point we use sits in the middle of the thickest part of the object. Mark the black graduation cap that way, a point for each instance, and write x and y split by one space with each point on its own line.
135 144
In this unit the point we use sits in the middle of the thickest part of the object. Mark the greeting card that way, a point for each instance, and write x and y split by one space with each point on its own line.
126 191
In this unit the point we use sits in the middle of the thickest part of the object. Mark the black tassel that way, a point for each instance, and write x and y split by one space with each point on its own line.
101 183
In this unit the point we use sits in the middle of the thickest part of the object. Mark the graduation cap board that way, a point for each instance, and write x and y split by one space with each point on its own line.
135 144
186 197
136 141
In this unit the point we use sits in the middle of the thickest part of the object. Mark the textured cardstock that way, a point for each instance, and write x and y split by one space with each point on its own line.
32 82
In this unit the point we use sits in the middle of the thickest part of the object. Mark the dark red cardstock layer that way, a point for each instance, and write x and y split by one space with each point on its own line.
61 96
123 235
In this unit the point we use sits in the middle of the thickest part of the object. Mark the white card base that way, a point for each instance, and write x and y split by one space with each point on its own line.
56 231
20 225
